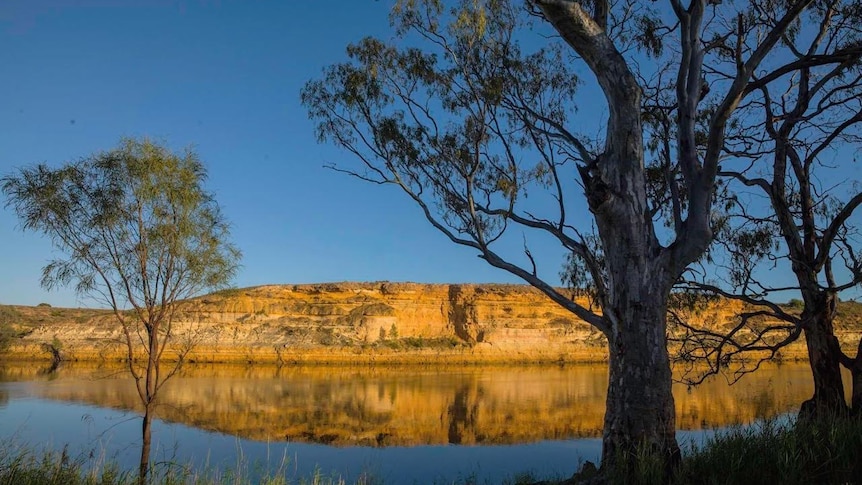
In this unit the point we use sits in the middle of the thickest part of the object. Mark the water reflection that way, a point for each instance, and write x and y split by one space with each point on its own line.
406 406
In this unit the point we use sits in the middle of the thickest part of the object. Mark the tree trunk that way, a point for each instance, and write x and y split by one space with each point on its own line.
824 357
146 437
856 399
640 418
151 382
152 373
856 383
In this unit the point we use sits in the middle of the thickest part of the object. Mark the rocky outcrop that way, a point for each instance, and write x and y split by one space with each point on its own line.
351 323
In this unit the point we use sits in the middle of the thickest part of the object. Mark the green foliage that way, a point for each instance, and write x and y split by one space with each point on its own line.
54 348
9 314
795 303
393 331
133 225
417 343
824 451
228 293
8 334
460 117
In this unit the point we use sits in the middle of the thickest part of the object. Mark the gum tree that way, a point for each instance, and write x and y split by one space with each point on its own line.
795 135
136 231
469 111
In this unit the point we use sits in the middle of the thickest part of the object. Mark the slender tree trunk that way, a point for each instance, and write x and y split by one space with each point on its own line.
824 357
146 438
151 377
640 416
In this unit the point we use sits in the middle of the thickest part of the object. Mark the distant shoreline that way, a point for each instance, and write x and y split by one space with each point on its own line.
378 323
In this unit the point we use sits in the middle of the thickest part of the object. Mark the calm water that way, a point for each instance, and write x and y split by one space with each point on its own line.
401 424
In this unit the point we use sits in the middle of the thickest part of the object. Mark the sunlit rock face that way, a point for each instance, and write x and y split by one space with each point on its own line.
355 322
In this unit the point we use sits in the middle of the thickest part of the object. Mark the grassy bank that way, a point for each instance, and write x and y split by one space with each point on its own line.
25 467
770 452
828 451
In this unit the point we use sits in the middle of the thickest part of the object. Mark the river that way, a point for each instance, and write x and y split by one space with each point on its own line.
405 424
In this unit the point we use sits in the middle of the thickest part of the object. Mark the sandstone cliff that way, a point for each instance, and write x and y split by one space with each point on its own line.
349 323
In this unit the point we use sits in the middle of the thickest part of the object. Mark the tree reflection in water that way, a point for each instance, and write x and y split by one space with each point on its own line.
407 406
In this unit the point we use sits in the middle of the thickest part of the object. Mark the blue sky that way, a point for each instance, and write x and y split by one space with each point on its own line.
223 76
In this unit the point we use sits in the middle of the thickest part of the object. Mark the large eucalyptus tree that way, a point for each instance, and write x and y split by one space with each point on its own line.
473 106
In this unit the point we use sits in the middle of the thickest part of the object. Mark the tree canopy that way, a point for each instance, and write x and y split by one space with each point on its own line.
134 227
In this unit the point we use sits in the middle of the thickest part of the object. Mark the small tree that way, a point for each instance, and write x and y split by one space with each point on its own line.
136 231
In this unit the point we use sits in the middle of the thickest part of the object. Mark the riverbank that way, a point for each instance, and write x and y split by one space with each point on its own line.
768 452
358 323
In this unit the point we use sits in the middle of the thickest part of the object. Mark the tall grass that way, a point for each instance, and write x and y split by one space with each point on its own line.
773 452
23 466
802 452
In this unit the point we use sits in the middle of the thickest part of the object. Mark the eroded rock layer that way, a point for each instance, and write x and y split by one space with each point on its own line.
349 323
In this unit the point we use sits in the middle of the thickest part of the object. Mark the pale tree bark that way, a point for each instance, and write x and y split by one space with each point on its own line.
640 271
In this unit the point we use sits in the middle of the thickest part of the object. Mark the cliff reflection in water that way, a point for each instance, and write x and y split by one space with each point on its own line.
407 406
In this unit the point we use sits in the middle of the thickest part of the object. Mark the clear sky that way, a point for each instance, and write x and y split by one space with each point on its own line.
223 76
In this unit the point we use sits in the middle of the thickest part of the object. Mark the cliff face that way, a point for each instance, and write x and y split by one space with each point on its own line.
354 322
